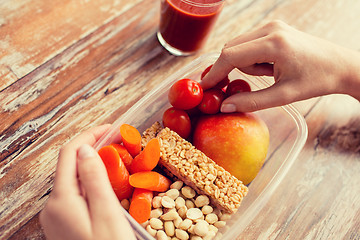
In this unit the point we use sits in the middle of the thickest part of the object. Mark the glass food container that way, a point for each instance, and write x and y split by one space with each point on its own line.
288 133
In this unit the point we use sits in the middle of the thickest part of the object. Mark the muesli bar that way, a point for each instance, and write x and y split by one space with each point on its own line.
195 169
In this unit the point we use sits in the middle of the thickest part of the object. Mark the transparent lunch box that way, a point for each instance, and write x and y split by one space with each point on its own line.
288 133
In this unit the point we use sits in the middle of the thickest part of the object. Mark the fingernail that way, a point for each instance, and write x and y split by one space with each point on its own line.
86 151
227 108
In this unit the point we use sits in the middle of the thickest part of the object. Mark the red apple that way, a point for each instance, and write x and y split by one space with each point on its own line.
236 141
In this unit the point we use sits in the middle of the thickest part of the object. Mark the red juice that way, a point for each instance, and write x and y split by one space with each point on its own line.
185 26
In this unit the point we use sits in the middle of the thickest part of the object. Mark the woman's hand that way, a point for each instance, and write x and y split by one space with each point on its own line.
83 204
303 66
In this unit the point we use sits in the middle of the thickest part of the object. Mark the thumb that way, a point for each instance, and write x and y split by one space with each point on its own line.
104 207
93 177
253 101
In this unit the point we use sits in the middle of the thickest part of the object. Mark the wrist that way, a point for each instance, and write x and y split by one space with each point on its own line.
350 80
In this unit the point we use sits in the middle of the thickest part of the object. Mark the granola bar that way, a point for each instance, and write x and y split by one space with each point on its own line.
198 171
150 133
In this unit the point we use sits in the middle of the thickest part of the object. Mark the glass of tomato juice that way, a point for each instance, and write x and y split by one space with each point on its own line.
186 24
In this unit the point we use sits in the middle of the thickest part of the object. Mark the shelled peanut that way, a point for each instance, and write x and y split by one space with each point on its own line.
181 213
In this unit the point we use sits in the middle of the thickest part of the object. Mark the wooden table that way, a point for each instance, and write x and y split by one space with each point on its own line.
67 65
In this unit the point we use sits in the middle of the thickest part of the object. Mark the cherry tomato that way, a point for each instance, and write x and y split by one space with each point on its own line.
223 83
237 86
178 121
185 94
211 101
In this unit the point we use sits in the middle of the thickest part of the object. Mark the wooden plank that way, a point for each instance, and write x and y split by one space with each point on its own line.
33 32
31 230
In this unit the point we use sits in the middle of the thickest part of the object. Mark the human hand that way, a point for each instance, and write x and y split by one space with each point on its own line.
83 204
303 66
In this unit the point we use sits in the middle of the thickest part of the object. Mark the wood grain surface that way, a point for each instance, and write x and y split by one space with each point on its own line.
66 66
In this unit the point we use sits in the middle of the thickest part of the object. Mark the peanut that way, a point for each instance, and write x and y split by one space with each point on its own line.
151 231
220 224
177 222
161 194
161 235
156 223
194 213
182 211
189 203
213 228
169 216
156 202
186 224
202 200
211 218
181 234
169 228
225 217
179 202
156 213
188 192
167 202
201 228
172 193
207 209
191 229
177 185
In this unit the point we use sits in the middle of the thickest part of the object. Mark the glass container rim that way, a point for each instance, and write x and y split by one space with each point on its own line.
196 4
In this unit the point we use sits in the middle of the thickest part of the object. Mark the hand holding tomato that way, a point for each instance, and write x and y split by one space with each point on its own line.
294 59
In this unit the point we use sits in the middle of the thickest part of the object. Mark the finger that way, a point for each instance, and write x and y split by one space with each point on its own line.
257 100
258 51
240 56
218 71
259 32
221 68
94 179
261 69
66 174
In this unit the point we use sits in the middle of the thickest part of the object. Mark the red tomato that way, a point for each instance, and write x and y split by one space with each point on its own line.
211 101
237 86
178 121
223 83
185 94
